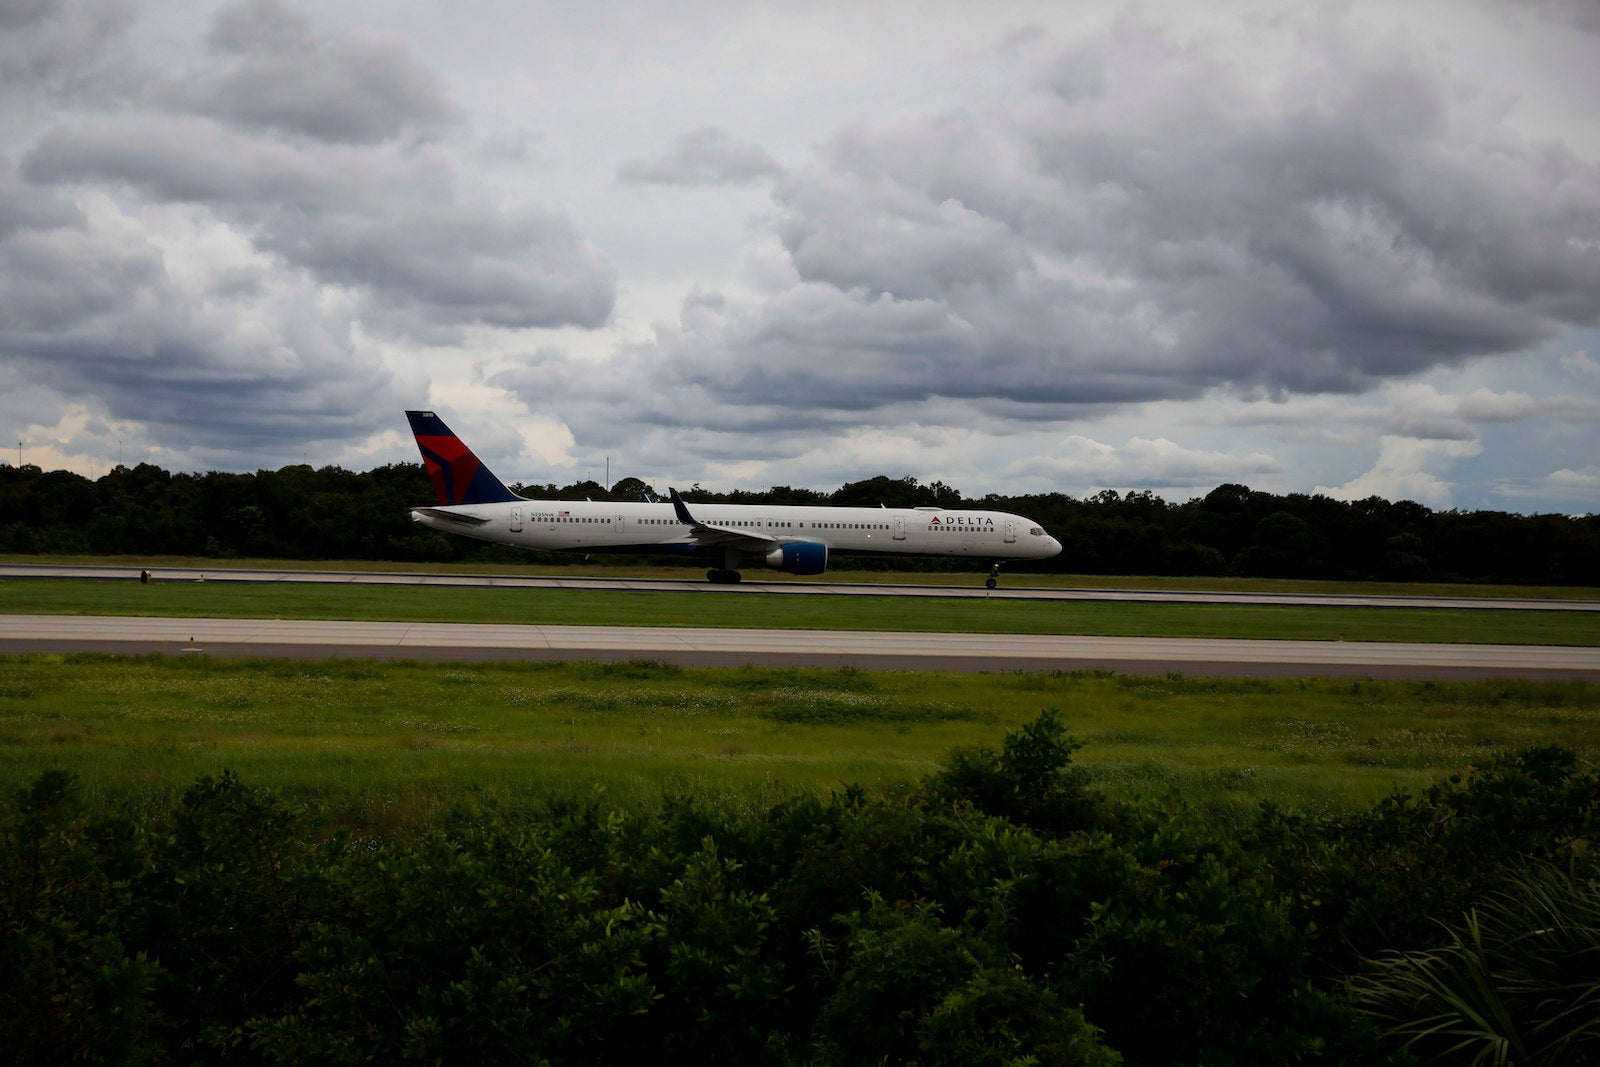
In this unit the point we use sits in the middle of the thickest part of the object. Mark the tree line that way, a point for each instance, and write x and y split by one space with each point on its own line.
298 512
1003 911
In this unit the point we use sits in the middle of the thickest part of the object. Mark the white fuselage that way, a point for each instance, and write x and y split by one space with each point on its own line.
611 526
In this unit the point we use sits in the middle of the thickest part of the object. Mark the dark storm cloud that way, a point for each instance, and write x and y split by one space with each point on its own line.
1150 223
273 71
179 158
703 157
57 46
18 13
1580 14
300 151
393 223
22 208
474 263
92 310
208 257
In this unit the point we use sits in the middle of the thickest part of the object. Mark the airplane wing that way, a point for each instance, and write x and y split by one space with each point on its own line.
460 518
707 534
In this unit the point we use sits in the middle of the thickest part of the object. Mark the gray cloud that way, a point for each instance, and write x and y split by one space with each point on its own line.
703 157
233 232
1152 224
393 222
274 72
1579 14
211 259
22 13
58 47
1147 463
22 208
89 309
300 147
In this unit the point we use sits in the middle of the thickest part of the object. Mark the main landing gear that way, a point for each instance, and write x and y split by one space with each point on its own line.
728 573
994 575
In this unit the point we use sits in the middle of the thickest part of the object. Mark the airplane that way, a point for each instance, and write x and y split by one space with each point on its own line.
793 538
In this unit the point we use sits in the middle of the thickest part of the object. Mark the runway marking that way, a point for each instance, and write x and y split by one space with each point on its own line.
883 650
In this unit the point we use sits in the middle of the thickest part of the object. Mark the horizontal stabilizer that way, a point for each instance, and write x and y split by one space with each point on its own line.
460 518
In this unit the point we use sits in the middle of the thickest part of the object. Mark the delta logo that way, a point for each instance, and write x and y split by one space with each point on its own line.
450 465
962 520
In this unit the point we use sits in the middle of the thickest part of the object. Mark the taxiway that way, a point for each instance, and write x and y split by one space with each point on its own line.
812 648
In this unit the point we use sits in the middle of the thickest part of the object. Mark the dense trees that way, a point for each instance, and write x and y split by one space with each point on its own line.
1002 912
292 513
301 513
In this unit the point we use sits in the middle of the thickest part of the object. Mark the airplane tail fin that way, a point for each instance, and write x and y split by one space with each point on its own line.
458 476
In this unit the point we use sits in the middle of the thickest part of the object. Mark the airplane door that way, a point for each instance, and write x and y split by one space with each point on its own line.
1011 532
899 527
516 519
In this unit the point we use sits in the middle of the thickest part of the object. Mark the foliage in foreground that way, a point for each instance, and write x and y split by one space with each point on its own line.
1002 913
1516 980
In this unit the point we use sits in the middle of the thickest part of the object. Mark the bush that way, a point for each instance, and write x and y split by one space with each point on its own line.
906 988
70 988
1030 781
1387 875
1517 979
1000 913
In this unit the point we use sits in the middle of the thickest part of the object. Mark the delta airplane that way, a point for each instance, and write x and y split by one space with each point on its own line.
792 538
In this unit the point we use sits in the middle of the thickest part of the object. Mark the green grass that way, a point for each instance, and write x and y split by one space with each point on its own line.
577 607
390 741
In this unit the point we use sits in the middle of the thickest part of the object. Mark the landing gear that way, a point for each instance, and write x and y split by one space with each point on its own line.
728 573
994 577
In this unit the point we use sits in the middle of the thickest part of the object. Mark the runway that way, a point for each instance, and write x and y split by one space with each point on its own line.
793 648
1013 587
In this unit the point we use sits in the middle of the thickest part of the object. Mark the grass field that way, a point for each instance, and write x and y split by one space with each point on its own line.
389 742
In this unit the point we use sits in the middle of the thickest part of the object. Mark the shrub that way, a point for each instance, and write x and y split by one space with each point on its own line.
1030 781
1387 874
906 988
1516 980
70 988
1001 913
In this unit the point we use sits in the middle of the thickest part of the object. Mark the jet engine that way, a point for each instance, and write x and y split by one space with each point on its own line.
798 557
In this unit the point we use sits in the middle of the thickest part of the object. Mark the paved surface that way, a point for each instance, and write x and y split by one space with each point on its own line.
714 647
1012 587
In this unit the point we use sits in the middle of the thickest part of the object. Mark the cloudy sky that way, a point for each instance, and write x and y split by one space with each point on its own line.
1349 248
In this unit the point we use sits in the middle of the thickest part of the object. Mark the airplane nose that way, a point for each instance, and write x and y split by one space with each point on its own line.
1054 545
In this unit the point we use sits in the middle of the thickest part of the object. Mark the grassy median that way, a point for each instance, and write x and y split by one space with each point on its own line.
581 607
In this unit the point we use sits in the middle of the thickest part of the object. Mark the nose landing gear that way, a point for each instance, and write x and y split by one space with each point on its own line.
994 575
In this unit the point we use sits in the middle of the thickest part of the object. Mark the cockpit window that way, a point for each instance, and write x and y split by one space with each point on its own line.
1036 532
